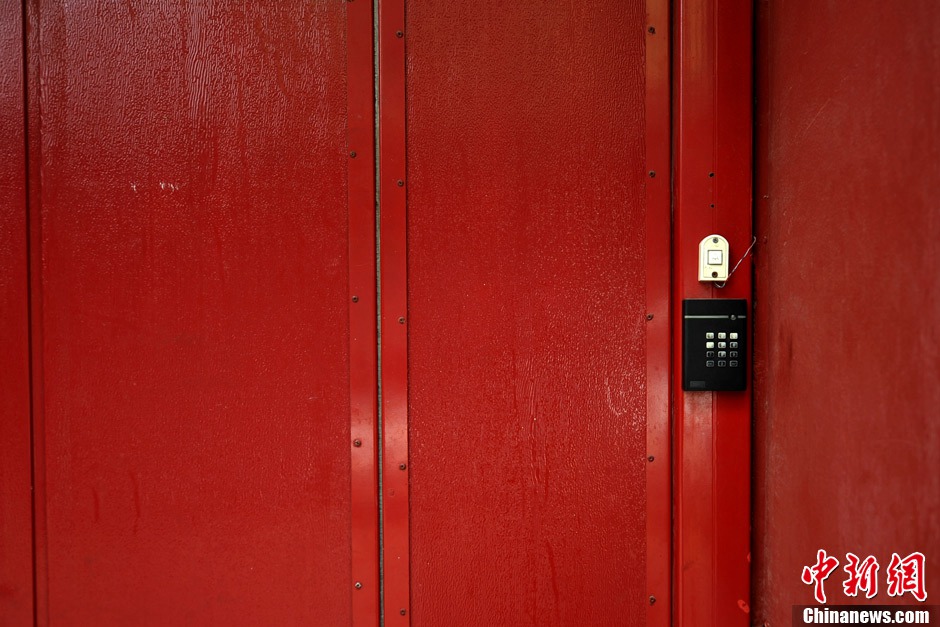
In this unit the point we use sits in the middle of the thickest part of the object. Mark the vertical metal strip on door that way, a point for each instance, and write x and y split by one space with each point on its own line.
658 329
393 192
363 409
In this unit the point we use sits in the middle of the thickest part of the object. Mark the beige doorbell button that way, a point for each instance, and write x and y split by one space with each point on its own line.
713 259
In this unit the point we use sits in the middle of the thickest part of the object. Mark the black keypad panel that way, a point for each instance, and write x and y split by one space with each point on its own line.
714 344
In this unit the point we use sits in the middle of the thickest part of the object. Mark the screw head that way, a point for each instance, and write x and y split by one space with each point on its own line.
400 183
357 442
652 30
402 466
358 585
402 611
355 299
649 316
652 600
399 34
650 458
711 175
652 174
353 154
401 320
714 275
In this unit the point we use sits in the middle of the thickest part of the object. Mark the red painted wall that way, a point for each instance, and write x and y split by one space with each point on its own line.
847 364
190 316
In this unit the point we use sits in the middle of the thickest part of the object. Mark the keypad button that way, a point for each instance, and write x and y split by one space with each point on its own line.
734 354
722 345
732 336
709 345
734 344
709 364
722 336
733 364
709 354
709 336
722 364
722 354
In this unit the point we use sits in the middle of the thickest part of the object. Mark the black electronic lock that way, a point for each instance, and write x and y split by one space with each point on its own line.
714 344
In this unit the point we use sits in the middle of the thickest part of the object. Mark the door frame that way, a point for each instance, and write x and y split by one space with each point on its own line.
712 131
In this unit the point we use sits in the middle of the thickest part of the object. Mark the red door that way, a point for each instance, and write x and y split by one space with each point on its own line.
190 325
524 175
200 332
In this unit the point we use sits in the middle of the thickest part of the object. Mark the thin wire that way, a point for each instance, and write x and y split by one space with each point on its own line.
746 253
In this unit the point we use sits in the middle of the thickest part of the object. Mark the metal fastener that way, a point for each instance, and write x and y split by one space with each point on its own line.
711 174
652 600
652 174
399 34
402 611
358 585
357 442
355 299
652 30
401 320
650 458
649 316
402 466
401 183
353 154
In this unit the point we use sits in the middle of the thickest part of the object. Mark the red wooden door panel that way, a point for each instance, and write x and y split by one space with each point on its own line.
527 293
189 271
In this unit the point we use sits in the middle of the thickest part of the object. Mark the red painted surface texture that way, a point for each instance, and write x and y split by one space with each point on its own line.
190 312
527 295
16 577
712 181
847 342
